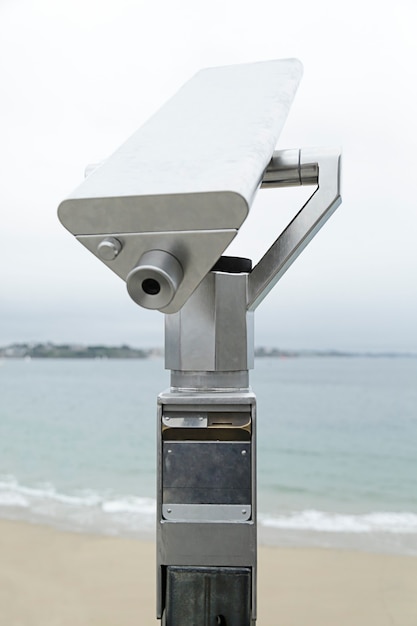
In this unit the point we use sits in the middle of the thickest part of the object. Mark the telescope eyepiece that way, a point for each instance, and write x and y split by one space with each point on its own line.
154 281
151 286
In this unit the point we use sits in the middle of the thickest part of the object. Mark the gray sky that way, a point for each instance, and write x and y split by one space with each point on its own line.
79 77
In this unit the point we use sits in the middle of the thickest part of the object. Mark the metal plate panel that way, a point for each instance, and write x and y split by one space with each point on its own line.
206 512
195 250
213 472
206 543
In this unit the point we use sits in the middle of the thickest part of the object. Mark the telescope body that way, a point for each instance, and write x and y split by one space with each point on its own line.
160 212
183 184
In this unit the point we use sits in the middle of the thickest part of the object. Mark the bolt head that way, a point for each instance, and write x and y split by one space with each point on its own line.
109 248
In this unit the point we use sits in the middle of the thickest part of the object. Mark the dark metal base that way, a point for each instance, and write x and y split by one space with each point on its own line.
208 596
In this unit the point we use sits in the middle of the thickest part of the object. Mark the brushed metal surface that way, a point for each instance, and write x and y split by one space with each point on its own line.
304 226
193 249
154 281
216 135
220 543
206 512
213 331
195 166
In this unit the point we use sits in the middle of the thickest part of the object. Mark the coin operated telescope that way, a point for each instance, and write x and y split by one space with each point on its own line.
160 212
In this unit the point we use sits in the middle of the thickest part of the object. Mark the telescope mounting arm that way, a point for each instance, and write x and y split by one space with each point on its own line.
289 168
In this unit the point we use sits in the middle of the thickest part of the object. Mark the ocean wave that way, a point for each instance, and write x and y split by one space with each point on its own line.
84 509
114 513
320 521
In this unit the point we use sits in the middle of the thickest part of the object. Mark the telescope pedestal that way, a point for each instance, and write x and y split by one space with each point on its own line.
206 511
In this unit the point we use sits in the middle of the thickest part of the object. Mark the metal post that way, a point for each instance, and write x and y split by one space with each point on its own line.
206 512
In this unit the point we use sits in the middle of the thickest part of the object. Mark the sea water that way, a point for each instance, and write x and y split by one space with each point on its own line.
337 448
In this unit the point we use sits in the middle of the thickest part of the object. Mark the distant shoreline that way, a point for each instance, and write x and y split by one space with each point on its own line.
77 351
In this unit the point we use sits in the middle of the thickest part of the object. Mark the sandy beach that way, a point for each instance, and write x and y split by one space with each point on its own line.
54 578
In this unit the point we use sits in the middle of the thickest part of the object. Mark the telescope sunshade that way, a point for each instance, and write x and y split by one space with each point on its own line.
197 163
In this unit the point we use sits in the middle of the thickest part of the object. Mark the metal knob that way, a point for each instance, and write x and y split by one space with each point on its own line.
109 248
